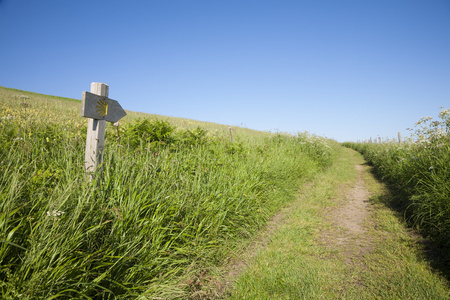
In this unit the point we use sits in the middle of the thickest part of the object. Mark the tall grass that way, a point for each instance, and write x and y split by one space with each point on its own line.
419 172
169 202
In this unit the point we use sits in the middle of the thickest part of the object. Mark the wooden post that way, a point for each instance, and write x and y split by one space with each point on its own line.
95 139
399 137
98 108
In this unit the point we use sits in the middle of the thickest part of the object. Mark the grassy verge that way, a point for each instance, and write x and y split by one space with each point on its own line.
418 171
298 265
404 264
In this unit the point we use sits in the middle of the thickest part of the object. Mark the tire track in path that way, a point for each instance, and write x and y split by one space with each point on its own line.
348 222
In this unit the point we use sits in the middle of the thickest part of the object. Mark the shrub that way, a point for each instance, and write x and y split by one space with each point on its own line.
143 132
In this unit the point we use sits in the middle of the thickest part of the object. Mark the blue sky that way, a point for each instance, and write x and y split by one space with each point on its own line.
346 70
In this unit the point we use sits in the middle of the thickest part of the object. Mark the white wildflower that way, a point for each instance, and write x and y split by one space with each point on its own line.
444 113
55 213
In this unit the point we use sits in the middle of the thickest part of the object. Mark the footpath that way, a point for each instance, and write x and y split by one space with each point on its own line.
339 240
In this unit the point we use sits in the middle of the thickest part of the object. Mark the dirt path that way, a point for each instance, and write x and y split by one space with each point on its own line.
347 233
338 240
343 232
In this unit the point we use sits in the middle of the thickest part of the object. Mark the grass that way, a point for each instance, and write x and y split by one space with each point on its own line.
410 273
177 198
298 264
418 173
172 201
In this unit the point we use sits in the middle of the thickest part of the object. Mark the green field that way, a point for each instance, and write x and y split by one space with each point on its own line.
177 199
174 199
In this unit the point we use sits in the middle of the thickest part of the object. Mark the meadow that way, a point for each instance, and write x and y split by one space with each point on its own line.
174 199
418 172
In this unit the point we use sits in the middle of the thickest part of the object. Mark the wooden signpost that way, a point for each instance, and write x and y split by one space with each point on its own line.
98 108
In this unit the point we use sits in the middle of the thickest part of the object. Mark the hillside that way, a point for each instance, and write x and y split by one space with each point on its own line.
183 209
61 109
173 199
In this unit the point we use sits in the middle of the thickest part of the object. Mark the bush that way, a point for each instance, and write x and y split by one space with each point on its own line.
197 136
143 132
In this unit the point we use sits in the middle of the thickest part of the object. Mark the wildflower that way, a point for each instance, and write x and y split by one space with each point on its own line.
55 213
18 139
436 123
423 120
444 113
116 124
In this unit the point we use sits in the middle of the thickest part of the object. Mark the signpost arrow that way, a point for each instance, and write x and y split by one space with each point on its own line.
101 108
98 108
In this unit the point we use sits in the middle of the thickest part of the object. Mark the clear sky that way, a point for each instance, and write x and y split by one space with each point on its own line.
346 70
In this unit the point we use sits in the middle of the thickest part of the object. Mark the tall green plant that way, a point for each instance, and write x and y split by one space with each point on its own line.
419 170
